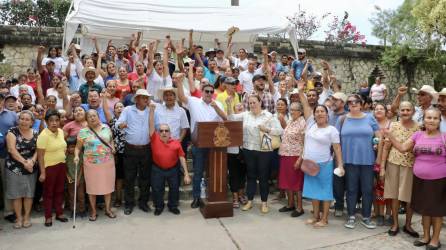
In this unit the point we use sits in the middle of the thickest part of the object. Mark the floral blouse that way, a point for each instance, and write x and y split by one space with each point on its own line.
95 152
293 138
26 148
118 136
401 134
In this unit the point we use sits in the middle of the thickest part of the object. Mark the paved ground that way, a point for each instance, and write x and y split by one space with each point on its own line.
246 230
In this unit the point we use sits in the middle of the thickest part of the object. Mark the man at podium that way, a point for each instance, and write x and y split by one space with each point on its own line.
202 109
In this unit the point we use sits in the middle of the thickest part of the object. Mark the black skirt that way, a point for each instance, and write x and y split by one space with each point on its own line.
429 197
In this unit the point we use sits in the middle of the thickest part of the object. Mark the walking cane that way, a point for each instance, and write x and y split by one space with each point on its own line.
75 195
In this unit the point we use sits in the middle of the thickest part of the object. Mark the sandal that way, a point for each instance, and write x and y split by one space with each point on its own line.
235 204
18 225
93 217
27 224
311 221
110 214
242 199
320 224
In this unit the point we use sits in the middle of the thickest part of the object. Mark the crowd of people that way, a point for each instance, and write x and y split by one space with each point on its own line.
101 123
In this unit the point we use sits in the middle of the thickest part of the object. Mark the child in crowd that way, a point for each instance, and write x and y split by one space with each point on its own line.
80 183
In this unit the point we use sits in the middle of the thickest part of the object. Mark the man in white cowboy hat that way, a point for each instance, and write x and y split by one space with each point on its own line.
89 74
426 96
171 114
442 107
134 120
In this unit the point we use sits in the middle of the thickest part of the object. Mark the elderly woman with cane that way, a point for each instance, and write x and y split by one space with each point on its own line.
99 166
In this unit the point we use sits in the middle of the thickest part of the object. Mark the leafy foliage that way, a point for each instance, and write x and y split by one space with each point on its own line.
343 32
305 24
34 13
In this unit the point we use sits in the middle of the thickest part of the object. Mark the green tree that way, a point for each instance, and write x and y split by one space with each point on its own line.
411 47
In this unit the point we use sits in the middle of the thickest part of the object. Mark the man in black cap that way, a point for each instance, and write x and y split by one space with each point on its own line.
222 62
259 89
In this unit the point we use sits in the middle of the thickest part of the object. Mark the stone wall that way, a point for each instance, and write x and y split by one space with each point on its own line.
352 64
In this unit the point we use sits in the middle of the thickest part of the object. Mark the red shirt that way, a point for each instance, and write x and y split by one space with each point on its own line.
165 155
133 76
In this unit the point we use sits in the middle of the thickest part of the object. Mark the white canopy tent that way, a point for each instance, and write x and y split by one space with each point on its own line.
118 20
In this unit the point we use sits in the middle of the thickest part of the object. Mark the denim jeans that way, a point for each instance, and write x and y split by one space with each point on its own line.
359 178
159 178
199 161
258 166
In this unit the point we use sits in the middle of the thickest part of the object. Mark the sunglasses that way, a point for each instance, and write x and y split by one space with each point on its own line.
353 102
209 91
164 131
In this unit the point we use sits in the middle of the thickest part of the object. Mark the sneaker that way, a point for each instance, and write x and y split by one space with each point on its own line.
380 220
368 223
351 222
338 213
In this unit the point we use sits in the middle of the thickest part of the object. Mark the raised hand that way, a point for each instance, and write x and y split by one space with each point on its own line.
300 85
264 50
167 43
41 49
402 90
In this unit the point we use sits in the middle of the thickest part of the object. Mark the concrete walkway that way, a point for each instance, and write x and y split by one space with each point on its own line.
246 230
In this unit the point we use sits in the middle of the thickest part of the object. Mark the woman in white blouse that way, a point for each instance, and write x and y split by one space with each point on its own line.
319 138
59 90
257 161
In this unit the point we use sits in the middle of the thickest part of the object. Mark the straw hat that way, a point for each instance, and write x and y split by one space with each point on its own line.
89 69
161 92
428 90
141 92
442 92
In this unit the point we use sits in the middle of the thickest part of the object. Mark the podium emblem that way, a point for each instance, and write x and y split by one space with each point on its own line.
221 136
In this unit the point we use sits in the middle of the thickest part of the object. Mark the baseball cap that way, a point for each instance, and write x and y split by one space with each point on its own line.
303 51
340 96
231 80
257 77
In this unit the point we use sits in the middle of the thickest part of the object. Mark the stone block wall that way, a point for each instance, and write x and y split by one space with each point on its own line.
352 64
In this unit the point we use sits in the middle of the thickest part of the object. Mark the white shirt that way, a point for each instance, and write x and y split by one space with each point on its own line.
53 92
175 117
221 62
156 82
245 79
324 95
318 141
240 63
15 91
201 111
419 115
251 131
443 124
58 62
377 92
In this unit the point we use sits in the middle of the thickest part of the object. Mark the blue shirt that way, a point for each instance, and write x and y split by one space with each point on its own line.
333 117
8 119
298 67
356 140
137 130
211 76
282 68
99 110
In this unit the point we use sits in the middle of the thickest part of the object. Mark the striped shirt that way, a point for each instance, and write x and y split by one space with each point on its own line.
175 117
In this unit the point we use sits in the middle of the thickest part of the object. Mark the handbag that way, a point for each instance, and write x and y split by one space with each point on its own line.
269 142
310 167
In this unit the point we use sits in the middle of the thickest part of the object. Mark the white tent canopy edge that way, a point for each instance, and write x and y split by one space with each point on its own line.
117 20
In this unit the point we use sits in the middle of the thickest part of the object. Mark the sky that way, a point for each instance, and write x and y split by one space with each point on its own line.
360 11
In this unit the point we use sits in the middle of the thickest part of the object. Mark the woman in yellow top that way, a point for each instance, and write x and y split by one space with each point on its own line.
51 148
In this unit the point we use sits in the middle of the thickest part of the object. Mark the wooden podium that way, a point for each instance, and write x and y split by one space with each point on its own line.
217 136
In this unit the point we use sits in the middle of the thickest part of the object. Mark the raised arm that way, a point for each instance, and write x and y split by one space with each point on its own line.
152 107
40 51
190 77
181 95
219 111
180 55
150 57
96 44
229 50
303 99
166 46
267 70
191 42
105 95
325 74
402 90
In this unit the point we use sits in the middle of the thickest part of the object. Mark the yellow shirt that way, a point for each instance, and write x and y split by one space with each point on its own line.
222 99
54 145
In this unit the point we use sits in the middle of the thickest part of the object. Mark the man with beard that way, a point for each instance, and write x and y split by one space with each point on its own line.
298 65
259 89
47 72
312 98
442 107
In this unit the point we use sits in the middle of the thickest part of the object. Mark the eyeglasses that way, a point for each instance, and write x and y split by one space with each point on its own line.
209 91
353 102
300 53
164 131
